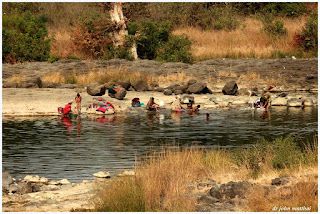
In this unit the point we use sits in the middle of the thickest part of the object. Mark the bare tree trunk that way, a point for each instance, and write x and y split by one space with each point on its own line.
121 30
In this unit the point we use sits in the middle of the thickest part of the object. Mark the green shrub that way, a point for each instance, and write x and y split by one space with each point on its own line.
308 38
25 37
53 59
284 9
177 49
274 28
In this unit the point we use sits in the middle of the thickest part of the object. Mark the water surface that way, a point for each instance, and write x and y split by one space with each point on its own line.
75 149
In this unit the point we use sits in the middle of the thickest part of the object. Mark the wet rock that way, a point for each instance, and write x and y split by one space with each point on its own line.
140 86
279 101
7 180
191 82
280 181
35 179
308 102
230 88
196 88
294 102
96 90
102 174
167 92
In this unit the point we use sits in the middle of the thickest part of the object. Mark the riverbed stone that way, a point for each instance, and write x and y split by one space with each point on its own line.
177 92
64 181
158 89
230 88
279 101
102 174
280 181
294 102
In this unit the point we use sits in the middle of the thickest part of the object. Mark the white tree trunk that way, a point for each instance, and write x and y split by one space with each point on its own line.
121 31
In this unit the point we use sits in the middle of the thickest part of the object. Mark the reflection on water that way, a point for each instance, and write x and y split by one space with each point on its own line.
76 148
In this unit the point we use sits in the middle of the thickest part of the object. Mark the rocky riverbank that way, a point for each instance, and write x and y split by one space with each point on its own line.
38 194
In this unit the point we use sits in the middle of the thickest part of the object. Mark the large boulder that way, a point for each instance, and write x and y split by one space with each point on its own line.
196 88
121 93
140 85
191 82
183 88
96 90
125 85
158 89
172 87
230 88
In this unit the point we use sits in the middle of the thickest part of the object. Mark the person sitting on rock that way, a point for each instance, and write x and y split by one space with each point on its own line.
152 106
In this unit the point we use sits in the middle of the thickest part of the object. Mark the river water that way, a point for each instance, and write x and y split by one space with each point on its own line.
75 149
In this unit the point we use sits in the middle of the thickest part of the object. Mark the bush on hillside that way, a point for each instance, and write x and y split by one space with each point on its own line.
177 49
25 38
308 38
275 28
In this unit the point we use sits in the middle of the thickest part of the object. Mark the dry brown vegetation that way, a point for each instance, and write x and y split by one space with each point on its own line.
161 182
114 75
247 41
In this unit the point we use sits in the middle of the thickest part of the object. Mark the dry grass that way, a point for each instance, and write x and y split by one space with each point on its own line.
287 198
114 75
252 79
248 41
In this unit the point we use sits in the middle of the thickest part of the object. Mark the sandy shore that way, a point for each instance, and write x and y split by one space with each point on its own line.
41 101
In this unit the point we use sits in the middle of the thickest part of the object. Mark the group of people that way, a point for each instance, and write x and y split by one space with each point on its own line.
68 107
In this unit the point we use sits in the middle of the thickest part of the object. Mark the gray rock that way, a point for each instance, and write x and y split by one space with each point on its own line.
22 188
167 92
177 92
280 181
231 190
7 180
96 90
183 88
196 88
294 102
173 87
125 85
140 86
154 84
230 88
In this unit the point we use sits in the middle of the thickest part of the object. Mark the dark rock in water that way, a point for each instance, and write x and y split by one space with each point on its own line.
230 88
282 94
96 90
231 190
176 92
121 93
191 82
159 89
141 86
167 92
125 85
196 88
280 181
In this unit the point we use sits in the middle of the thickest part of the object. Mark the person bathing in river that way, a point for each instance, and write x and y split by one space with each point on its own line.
196 108
152 106
265 101
176 105
78 99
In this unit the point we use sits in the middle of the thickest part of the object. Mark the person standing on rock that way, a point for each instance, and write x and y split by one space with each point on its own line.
78 103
